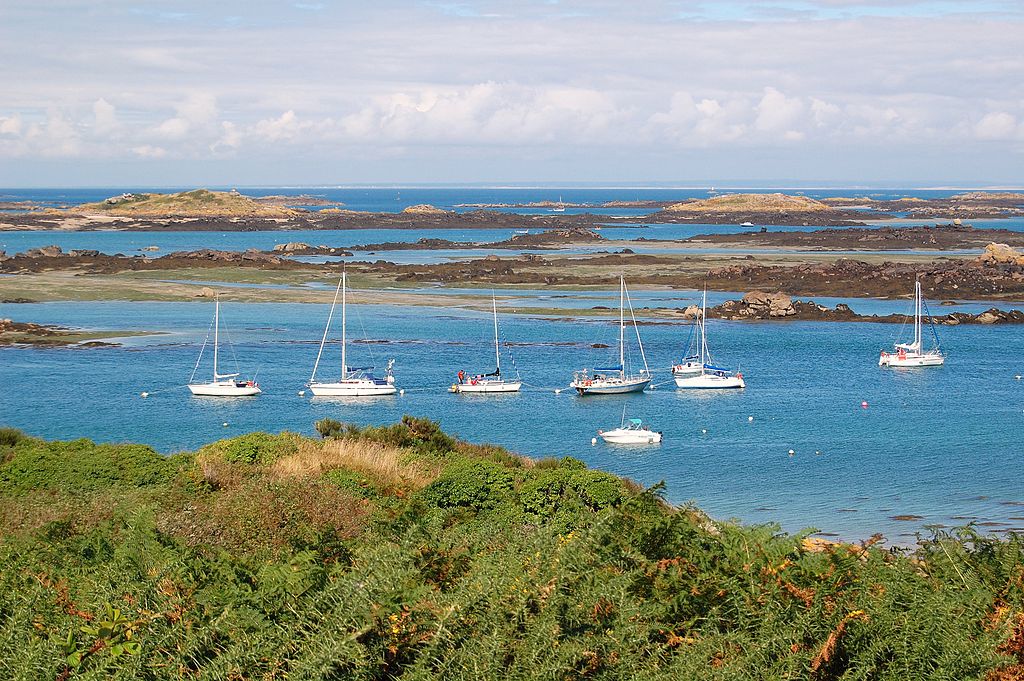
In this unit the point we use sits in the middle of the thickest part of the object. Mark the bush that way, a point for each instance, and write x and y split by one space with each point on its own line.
82 465
10 437
478 485
328 428
552 488
252 448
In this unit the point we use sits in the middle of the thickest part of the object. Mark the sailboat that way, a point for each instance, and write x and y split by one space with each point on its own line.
222 385
913 354
614 380
696 370
492 382
560 207
354 381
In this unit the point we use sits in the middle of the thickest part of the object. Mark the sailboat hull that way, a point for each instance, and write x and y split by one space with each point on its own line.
611 387
224 389
910 360
352 389
487 387
709 382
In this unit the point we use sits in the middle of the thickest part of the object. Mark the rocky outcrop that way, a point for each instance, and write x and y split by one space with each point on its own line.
424 209
44 252
761 305
1000 254
226 257
291 246
299 248
758 305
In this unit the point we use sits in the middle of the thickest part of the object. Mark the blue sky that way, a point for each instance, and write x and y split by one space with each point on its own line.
315 91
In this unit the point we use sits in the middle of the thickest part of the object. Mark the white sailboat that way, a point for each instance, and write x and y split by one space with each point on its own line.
222 385
492 382
636 432
913 354
696 370
614 380
559 207
354 381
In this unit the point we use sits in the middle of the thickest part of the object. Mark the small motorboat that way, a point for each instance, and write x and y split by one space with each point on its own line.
634 432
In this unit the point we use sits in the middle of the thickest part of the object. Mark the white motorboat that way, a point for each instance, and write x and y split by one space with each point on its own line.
615 380
913 354
635 432
354 381
696 371
222 385
492 382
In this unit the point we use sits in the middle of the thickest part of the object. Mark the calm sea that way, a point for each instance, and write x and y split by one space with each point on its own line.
942 444
938 446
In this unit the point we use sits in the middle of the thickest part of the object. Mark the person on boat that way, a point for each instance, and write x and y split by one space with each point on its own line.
462 376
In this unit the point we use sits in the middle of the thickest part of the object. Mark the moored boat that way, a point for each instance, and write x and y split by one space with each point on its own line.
222 385
631 432
354 381
913 354
696 371
492 382
615 380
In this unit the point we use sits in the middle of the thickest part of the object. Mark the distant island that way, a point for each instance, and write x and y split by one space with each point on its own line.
205 210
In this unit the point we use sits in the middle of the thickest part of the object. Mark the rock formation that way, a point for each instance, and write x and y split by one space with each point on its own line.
1000 254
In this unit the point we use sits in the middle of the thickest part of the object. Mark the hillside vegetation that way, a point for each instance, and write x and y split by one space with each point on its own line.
750 203
195 203
398 552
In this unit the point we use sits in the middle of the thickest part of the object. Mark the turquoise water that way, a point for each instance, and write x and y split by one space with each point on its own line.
940 443
396 198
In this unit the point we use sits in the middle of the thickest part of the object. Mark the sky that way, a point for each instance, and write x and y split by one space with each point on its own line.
308 92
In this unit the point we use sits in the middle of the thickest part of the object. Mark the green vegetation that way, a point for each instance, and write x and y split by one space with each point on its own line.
399 552
751 202
195 203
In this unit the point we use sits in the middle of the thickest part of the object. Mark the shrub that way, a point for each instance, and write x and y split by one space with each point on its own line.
252 448
553 488
328 428
10 437
472 484
82 465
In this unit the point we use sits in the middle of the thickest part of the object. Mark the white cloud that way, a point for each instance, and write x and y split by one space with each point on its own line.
104 117
566 80
149 151
10 125
54 137
997 125
776 112
284 127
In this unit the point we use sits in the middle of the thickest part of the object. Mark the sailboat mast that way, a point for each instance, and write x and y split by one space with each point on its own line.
216 335
703 333
497 354
622 326
917 315
327 328
344 367
636 329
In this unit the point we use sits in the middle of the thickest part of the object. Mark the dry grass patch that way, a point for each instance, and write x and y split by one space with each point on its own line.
390 467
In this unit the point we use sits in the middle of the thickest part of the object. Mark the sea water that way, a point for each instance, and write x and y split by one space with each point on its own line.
939 446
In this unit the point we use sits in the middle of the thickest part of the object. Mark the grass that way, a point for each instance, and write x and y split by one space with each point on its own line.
198 202
398 552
